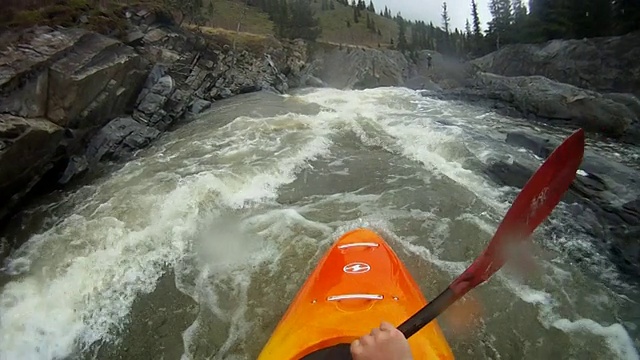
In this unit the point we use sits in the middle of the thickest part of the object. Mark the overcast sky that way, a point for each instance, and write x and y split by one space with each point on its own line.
431 10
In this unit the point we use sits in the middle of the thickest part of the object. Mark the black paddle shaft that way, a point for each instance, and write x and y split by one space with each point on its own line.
428 313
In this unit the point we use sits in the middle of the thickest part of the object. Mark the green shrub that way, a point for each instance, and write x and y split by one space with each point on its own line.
26 18
79 4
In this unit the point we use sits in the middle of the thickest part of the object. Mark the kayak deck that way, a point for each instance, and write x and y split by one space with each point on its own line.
358 283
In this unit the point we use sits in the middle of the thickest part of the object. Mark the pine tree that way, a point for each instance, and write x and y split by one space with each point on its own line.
467 29
371 7
302 22
477 30
445 17
402 39
501 22
210 9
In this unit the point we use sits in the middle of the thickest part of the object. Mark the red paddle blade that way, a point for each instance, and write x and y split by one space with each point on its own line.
531 207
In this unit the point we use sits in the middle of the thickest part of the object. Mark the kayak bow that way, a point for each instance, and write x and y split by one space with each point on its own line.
361 281
357 283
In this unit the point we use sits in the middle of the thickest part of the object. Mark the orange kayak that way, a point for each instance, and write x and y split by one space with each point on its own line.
358 283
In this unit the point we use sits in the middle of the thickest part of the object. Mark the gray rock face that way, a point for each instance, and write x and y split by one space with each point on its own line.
200 105
358 68
94 82
58 82
608 64
118 138
101 95
539 97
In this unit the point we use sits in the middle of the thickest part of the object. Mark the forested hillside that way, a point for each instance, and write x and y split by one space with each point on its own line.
362 23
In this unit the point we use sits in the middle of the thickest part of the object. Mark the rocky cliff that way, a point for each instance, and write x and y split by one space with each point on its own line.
591 83
538 98
70 97
607 64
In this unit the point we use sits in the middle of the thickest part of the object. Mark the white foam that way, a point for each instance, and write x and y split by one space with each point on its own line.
75 298
615 335
81 276
419 138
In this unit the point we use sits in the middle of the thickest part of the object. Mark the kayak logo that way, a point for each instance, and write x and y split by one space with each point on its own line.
356 268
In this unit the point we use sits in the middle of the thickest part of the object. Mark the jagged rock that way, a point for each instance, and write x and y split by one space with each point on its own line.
28 152
200 105
357 68
94 83
313 81
118 138
77 165
84 82
24 72
154 35
606 64
422 83
134 37
539 97
152 103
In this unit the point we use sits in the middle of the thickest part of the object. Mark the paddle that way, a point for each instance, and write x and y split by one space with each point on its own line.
531 207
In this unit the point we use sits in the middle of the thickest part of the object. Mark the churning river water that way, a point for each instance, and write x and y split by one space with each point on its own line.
194 248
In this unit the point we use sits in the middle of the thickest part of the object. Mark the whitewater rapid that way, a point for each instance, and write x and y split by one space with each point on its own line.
237 206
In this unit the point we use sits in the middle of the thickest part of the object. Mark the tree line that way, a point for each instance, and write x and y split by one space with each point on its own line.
513 22
291 18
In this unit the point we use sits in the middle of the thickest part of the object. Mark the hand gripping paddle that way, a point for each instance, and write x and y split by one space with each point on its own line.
531 207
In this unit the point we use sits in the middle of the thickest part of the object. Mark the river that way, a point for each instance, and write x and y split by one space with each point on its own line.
194 248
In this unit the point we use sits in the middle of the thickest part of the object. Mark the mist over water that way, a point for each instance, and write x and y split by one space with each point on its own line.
220 222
